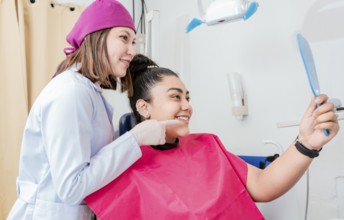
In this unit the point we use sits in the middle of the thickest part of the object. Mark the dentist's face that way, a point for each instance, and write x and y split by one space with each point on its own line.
121 48
170 100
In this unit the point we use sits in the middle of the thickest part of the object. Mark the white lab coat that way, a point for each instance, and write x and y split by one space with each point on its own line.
68 150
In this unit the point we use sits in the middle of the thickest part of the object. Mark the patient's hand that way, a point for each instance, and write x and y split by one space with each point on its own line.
315 120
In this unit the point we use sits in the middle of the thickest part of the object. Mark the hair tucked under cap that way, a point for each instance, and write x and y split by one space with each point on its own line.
101 14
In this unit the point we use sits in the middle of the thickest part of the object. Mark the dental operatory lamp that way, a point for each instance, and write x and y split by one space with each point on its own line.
222 11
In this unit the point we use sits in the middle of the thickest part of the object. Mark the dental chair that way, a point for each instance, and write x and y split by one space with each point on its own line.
127 121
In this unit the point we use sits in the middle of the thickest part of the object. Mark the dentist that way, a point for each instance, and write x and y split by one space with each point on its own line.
69 149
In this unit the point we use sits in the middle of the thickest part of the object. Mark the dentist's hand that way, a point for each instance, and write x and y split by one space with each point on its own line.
152 132
315 120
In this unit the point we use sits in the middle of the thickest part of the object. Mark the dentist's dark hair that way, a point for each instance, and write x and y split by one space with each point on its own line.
145 73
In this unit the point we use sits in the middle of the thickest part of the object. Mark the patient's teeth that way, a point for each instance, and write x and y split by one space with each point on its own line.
183 118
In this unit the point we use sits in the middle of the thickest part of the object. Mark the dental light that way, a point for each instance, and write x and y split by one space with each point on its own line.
222 11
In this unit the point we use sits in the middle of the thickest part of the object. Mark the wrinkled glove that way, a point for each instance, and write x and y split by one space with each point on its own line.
151 132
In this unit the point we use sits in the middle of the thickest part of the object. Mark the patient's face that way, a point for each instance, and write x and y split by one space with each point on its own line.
170 100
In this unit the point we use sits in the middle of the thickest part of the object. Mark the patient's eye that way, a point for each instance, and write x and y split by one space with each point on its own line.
176 97
188 98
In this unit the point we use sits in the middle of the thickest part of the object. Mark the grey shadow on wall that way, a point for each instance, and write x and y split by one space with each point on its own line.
324 21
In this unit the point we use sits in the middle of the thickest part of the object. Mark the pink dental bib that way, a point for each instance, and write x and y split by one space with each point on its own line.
198 179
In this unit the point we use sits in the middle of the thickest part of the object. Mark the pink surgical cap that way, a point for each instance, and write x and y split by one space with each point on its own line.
101 14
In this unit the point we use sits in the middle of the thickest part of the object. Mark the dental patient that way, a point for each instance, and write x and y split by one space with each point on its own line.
193 176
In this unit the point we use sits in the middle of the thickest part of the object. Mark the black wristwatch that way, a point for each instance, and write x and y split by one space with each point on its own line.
306 151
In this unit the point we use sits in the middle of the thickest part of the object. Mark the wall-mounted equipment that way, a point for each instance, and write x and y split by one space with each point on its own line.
152 34
222 11
148 32
238 96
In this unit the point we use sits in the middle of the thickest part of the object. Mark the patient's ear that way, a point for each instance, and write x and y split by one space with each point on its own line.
142 108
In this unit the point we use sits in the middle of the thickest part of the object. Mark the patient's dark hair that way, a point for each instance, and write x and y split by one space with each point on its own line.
145 73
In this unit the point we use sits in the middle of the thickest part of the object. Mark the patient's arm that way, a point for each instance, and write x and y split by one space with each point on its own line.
272 182
277 178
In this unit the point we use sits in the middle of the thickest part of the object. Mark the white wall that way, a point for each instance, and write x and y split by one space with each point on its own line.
264 51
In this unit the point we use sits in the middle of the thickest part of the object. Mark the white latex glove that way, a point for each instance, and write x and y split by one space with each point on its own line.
152 132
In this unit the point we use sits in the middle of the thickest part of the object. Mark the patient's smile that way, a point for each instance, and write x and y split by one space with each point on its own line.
183 118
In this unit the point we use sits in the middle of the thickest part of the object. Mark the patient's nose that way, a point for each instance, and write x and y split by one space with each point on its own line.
186 105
